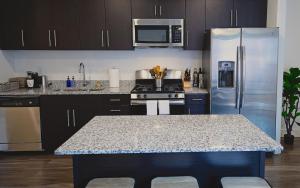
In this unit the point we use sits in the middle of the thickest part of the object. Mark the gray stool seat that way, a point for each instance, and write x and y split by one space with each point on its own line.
111 183
244 182
175 182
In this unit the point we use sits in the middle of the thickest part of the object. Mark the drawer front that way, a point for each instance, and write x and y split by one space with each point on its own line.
197 109
118 100
196 98
118 110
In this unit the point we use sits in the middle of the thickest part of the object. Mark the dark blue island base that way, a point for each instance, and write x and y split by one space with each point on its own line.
207 167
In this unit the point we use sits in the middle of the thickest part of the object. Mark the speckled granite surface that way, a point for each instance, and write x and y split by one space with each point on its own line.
58 88
195 90
163 134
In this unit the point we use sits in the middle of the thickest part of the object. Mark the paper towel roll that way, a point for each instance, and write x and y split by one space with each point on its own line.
114 77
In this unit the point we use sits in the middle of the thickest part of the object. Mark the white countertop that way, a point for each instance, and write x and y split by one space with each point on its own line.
165 134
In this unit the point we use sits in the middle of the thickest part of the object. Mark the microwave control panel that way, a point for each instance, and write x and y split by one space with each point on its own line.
176 34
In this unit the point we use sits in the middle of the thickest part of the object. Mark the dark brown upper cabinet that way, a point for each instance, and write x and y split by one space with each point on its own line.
251 13
144 9
12 25
194 24
219 14
118 25
173 9
41 25
65 24
38 25
105 25
92 25
236 13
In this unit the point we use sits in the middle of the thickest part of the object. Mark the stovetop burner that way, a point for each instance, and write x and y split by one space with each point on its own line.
145 89
173 88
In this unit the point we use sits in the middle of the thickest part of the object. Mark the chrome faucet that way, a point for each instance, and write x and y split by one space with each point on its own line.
82 70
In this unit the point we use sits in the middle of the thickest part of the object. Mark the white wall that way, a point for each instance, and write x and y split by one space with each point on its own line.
59 64
6 68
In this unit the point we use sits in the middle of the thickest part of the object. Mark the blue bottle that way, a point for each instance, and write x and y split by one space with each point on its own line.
69 84
73 82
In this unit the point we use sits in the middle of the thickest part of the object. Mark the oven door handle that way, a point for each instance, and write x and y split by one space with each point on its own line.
144 102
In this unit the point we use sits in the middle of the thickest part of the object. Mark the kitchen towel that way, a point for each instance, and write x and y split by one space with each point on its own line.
114 77
151 107
164 107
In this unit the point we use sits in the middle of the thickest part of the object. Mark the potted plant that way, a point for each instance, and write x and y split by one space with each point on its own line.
290 104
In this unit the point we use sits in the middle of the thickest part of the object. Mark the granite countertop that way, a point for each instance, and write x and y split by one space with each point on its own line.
195 90
164 134
59 89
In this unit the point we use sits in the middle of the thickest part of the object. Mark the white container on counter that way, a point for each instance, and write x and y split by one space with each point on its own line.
114 78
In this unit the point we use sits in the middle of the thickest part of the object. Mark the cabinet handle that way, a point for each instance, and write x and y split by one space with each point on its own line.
197 99
189 110
102 38
231 18
236 17
155 10
49 38
115 110
107 35
68 117
114 100
160 10
187 38
74 118
54 32
22 35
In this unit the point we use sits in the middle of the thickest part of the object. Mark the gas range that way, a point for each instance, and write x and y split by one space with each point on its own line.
145 89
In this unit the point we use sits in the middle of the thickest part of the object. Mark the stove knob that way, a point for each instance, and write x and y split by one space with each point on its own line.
138 96
170 96
145 96
176 95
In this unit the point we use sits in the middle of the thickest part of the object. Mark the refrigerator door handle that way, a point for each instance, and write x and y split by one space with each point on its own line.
238 76
242 82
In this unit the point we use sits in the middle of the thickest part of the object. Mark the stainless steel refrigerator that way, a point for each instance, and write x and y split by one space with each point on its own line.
241 66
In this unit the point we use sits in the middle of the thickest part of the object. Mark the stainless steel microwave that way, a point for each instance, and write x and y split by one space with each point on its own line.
158 32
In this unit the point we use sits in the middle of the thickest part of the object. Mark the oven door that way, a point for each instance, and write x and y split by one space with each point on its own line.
138 107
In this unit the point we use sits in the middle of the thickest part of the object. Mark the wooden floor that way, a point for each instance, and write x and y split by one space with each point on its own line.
48 171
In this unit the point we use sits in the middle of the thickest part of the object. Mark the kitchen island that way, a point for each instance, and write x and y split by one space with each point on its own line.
207 147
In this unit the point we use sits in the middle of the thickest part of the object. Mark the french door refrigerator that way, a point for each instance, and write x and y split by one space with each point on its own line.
243 64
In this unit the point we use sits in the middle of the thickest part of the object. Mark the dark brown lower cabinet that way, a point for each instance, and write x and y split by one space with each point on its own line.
62 116
197 104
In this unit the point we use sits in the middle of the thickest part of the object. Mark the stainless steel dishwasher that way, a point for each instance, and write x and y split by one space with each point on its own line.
20 128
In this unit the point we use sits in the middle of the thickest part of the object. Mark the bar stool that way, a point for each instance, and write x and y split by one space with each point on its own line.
174 182
111 183
244 182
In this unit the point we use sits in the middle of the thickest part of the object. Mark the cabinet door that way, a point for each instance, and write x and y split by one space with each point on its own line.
13 31
118 25
65 24
92 24
219 14
251 13
195 24
144 9
37 24
56 122
172 9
